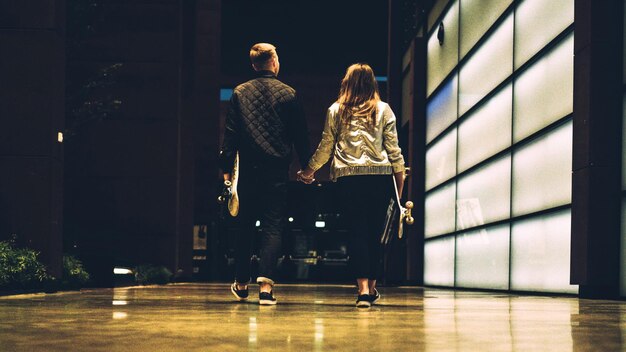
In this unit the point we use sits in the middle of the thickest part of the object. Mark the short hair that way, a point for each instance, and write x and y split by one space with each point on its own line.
262 53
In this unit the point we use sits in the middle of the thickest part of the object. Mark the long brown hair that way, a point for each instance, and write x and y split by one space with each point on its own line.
358 95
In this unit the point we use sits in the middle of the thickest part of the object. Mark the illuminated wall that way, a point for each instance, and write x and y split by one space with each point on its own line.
499 146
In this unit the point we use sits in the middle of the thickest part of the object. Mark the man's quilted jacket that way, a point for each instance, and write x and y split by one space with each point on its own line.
264 122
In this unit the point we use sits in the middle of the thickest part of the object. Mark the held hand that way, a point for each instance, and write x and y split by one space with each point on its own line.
302 176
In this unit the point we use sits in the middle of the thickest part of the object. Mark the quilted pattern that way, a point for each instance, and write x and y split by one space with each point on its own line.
262 107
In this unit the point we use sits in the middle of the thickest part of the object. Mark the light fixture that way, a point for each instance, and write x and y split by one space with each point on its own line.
320 224
290 219
122 271
60 137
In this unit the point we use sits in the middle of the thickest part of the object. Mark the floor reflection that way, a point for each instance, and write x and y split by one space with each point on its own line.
203 317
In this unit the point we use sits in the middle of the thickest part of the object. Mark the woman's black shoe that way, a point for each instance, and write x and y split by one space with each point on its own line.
363 301
267 298
241 295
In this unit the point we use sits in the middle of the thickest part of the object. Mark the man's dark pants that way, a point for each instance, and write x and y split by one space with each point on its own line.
262 196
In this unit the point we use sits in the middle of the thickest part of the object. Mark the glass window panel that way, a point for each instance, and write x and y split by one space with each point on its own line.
487 131
544 93
484 195
407 57
407 97
540 254
476 18
487 67
537 22
441 160
542 172
439 212
441 109
443 58
439 262
482 258
623 255
624 141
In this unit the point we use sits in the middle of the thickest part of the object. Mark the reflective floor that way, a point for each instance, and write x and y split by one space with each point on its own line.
204 317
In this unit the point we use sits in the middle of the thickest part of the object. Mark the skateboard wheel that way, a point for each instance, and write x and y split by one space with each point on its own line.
409 205
410 220
227 183
220 199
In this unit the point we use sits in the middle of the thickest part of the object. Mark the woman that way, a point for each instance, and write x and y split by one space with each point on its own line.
360 134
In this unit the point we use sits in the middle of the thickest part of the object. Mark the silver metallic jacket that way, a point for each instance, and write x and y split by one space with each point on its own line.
359 148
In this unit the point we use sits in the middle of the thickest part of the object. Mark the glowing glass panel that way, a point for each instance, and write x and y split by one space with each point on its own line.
439 212
540 250
439 262
482 258
443 58
487 67
441 110
441 160
484 195
537 22
542 172
486 131
544 93
476 18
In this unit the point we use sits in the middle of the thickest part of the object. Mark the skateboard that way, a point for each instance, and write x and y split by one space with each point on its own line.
229 194
397 216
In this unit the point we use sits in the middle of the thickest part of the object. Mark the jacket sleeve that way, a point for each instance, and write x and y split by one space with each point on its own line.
300 133
327 144
390 141
230 143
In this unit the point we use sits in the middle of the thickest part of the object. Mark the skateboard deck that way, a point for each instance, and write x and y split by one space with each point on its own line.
229 194
233 202
397 215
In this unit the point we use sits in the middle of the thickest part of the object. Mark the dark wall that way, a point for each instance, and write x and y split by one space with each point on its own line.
597 152
130 162
32 75
207 109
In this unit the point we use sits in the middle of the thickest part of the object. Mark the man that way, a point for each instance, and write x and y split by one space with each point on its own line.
264 121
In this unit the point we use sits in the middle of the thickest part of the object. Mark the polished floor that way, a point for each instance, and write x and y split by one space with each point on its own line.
204 317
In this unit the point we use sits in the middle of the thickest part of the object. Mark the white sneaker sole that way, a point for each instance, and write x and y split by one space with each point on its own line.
363 304
267 302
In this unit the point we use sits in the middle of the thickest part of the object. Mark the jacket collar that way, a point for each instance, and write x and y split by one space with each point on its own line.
265 73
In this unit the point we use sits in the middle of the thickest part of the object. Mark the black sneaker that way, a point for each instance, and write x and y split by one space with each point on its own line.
242 295
267 298
375 297
363 301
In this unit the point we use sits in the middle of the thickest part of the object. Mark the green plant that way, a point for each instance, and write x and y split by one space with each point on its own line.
74 275
20 269
148 274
